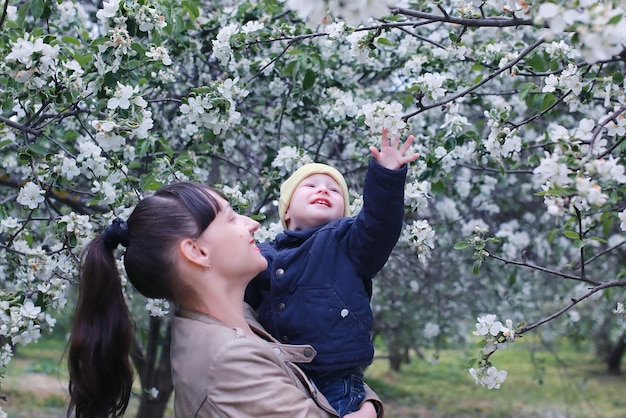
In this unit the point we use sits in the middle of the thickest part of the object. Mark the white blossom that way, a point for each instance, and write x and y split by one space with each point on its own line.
30 195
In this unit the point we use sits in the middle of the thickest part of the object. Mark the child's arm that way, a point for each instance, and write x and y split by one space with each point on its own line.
392 156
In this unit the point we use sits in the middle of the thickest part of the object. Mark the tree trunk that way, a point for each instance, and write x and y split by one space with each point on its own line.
614 357
153 374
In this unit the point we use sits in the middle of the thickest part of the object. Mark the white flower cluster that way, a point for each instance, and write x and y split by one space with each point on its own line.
32 61
454 123
145 14
488 377
381 115
515 238
339 105
30 195
289 159
222 49
214 108
587 184
602 29
112 18
416 195
38 285
20 323
234 195
269 232
420 237
354 11
158 307
569 81
495 334
430 85
502 142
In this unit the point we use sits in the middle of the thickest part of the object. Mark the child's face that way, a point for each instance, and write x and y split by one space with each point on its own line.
316 201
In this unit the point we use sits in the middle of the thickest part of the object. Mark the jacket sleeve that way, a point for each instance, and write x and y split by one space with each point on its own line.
376 229
371 396
248 380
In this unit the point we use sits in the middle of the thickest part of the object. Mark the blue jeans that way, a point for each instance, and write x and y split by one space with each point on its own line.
343 388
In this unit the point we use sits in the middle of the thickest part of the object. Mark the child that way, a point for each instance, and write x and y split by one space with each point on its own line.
318 284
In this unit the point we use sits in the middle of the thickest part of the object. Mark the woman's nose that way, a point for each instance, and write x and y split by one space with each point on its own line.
253 225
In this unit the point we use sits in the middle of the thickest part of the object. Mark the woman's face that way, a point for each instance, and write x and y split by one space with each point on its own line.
230 241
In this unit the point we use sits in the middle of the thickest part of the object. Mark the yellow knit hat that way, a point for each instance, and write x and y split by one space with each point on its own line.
289 186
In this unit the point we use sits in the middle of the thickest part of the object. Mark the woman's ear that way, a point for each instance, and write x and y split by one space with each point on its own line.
195 252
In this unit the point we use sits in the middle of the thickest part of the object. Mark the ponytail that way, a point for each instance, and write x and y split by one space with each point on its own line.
101 376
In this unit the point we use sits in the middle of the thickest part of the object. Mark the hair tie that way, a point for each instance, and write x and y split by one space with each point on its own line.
115 234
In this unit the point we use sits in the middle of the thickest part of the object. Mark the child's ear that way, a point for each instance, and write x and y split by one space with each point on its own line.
194 252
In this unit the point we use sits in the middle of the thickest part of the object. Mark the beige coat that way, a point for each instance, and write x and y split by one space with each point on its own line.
220 372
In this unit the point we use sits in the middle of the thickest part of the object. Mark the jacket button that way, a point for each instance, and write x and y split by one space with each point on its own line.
281 307
308 352
280 272
277 351
285 339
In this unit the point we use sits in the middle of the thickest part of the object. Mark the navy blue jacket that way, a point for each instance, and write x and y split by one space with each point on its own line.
318 284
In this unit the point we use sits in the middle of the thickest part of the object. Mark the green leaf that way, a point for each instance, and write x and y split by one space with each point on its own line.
571 234
551 235
470 362
309 79
37 8
548 100
438 187
618 78
384 41
192 9
5 143
616 19
258 217
38 149
525 89
476 268
537 62
70 40
461 245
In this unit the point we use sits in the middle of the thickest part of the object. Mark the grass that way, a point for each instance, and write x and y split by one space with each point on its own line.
539 384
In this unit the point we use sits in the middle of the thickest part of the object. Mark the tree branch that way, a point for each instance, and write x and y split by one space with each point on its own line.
545 270
497 22
573 303
452 98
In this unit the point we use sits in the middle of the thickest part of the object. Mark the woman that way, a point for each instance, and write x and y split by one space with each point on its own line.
186 244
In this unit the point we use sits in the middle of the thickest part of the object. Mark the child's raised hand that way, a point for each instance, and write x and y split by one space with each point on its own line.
392 156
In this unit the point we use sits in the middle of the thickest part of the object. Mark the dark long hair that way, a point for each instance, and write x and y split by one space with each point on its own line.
100 372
